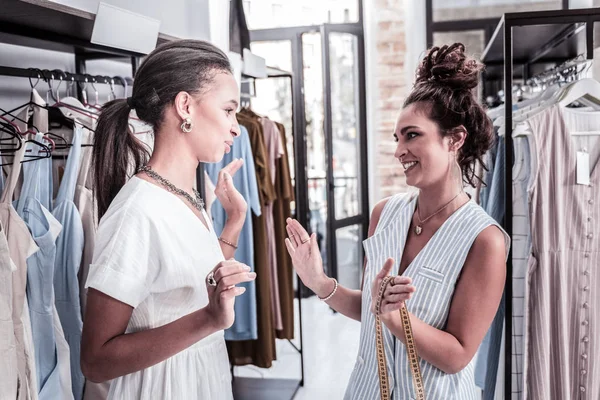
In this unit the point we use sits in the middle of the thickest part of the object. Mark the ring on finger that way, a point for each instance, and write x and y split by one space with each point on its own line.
210 279
305 240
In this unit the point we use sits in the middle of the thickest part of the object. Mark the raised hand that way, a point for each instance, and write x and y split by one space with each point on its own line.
305 255
232 201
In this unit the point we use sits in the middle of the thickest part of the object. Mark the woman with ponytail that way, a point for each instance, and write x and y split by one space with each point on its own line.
162 286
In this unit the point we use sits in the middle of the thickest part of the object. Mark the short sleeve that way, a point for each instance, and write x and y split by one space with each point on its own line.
125 255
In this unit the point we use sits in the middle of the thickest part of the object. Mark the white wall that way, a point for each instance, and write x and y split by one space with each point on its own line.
581 3
219 23
180 18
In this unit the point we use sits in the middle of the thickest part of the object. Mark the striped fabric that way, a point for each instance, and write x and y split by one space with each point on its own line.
521 242
434 272
562 343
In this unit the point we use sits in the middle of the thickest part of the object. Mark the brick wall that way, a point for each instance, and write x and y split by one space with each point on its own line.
391 86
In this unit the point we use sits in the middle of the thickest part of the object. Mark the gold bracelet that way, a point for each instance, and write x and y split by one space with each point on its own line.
228 243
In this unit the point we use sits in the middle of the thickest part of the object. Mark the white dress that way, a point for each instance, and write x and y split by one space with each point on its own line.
153 253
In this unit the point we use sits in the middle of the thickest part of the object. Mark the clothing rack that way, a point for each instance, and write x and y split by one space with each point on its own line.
63 29
59 75
563 73
270 388
533 49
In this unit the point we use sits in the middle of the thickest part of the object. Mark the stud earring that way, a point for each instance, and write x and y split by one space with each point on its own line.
186 126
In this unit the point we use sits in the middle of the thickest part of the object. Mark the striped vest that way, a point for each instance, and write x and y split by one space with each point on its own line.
434 272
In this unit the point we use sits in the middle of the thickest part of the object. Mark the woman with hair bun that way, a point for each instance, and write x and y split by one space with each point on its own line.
435 253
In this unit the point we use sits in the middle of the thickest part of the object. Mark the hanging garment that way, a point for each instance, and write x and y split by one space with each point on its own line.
274 152
489 364
209 197
8 350
69 250
499 391
2 178
239 36
563 309
30 372
260 352
32 207
521 249
154 254
245 325
63 357
21 246
59 158
434 271
486 368
281 212
84 201
489 159
88 209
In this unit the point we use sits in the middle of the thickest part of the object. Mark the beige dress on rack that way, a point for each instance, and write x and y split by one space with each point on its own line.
21 245
562 345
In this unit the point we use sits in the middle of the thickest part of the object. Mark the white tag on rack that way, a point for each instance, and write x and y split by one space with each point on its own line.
583 168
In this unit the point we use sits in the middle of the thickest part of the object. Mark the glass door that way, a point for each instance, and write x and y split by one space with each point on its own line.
329 121
344 125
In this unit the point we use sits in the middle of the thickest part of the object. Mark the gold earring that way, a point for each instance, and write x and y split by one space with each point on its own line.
186 126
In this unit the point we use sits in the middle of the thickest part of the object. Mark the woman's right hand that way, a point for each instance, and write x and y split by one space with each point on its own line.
306 256
221 298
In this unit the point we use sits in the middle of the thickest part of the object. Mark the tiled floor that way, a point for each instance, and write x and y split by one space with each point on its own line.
330 347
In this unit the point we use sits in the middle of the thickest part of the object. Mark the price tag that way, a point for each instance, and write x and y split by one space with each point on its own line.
583 168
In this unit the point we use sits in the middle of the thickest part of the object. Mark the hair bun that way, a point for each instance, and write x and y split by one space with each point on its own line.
449 66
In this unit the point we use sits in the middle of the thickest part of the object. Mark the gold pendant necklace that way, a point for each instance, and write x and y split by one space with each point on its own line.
419 227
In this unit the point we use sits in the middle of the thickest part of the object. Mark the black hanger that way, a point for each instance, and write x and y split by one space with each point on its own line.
13 134
53 116
57 138
19 119
43 152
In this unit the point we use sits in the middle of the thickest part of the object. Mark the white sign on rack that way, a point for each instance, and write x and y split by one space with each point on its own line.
254 65
235 59
122 29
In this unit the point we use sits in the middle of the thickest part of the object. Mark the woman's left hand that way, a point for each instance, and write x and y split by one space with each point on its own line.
396 292
232 201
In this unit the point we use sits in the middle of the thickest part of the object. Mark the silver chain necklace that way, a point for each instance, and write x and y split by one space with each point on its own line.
198 203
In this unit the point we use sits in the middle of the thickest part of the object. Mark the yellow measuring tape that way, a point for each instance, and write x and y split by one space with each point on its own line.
411 349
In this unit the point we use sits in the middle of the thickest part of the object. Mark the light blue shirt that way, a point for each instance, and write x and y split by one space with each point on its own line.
33 206
244 327
69 251
489 352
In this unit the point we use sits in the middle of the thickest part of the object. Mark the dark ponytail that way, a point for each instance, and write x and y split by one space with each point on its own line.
178 66
115 148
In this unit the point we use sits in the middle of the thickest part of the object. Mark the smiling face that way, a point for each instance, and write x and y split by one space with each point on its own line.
422 151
